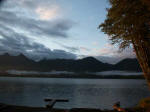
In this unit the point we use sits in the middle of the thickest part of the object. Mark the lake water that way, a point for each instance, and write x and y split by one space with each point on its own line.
91 93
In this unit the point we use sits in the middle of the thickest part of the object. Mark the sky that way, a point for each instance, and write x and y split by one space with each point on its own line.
50 29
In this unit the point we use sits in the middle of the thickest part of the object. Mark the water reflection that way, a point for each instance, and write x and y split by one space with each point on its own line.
93 93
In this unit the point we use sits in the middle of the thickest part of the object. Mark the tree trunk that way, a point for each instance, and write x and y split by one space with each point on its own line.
142 50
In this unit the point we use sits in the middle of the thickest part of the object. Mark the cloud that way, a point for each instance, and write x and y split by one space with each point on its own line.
26 20
23 20
57 28
69 48
46 13
74 49
34 4
107 50
107 59
95 43
84 49
1 1
16 43
112 50
111 54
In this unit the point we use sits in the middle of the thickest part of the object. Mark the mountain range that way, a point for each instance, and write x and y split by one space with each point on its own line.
88 64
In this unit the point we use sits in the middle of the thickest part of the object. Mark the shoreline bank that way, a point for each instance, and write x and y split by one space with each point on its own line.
77 76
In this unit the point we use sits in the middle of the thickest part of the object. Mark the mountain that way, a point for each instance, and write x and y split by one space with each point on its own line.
128 64
15 62
88 64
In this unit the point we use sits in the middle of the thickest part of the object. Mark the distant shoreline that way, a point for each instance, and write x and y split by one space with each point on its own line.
77 76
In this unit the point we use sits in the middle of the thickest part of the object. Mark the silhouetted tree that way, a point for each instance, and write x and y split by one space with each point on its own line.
128 23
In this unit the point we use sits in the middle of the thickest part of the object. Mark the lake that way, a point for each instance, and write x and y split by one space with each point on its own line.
91 93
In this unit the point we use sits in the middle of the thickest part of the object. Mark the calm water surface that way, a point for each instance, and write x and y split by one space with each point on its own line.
91 93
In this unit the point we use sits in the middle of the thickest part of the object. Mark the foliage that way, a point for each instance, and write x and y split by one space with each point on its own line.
144 103
127 21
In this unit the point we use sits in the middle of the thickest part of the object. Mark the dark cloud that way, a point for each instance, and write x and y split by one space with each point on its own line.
18 24
22 15
69 48
15 43
1 1
30 4
57 28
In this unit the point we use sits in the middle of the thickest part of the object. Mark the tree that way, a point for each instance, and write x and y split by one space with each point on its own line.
146 2
128 23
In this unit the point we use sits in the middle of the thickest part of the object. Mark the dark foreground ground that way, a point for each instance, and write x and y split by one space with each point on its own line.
12 108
